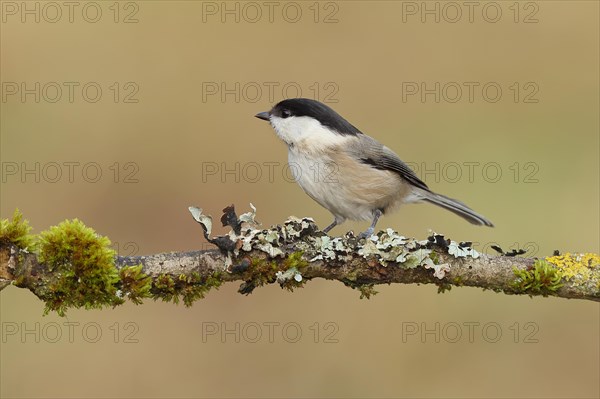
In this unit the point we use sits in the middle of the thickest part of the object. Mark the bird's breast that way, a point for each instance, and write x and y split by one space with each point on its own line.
344 185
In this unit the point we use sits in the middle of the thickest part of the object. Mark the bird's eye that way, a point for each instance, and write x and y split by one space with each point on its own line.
285 113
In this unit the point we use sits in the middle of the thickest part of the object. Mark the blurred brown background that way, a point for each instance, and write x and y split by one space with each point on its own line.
163 123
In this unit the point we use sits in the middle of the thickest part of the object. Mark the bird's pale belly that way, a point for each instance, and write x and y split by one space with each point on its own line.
347 188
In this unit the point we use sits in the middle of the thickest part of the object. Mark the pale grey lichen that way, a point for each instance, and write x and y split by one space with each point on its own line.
388 239
291 273
263 240
247 239
457 251
295 227
420 257
249 217
204 220
439 270
390 254
331 249
388 247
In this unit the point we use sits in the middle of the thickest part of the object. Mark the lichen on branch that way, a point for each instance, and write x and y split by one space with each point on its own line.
71 266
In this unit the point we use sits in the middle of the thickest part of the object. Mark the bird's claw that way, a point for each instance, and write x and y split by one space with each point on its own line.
366 234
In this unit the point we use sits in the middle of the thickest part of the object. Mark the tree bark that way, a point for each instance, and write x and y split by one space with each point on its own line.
297 251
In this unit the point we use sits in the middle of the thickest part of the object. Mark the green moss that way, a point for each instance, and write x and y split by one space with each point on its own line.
458 281
16 231
164 289
443 287
82 266
82 273
262 271
295 260
366 290
195 287
20 281
434 258
352 275
294 263
189 288
135 284
259 273
540 279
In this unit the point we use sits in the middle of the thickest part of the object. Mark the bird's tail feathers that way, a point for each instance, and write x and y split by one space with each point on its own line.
454 206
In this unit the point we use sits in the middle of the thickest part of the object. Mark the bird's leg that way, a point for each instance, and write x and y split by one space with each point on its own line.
376 215
331 226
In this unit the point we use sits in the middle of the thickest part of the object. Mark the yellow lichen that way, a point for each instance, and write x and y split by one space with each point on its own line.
579 268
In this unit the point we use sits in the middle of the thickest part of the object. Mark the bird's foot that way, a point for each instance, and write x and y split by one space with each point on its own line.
367 233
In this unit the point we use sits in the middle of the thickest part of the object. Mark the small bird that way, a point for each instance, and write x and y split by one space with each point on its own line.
347 172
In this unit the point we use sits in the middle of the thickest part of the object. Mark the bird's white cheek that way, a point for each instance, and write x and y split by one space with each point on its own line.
306 132
282 129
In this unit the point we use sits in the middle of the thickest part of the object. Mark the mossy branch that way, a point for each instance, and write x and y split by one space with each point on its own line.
72 266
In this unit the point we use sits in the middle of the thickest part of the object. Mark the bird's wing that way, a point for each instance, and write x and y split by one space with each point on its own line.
372 152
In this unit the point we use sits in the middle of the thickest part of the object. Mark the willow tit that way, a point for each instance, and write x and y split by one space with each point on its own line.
366 178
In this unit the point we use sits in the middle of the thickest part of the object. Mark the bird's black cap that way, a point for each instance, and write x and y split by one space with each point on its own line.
314 109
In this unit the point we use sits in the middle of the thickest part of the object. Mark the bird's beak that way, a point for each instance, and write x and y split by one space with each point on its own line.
263 115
